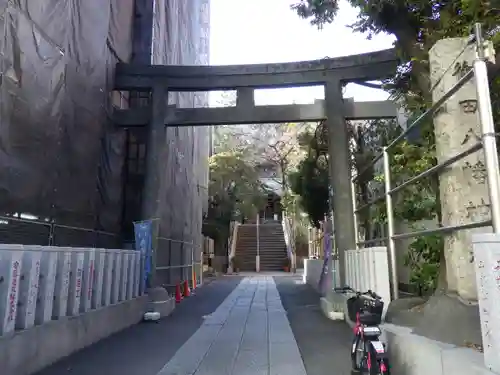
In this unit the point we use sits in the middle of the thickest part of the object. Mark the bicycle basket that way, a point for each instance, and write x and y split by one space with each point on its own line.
370 319
370 310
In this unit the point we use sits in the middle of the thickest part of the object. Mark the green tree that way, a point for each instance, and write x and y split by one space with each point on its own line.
417 26
235 192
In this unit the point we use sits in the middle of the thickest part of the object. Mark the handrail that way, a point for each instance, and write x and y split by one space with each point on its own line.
431 111
288 233
438 167
487 143
232 240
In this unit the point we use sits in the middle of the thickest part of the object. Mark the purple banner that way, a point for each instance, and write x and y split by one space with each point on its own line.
327 240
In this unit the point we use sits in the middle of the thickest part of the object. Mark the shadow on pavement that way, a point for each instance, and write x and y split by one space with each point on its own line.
146 347
324 344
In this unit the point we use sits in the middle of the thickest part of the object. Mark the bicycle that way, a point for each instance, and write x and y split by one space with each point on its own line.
368 353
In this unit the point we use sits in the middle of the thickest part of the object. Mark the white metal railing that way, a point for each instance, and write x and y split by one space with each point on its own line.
487 143
43 283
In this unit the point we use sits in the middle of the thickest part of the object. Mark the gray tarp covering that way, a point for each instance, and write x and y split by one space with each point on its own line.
186 26
60 156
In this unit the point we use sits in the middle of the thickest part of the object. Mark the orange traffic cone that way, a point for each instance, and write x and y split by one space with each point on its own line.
178 296
187 292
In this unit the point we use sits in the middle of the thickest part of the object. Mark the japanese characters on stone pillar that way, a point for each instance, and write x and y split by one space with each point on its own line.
463 185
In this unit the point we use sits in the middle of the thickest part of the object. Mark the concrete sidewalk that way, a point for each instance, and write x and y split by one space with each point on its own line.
259 325
248 334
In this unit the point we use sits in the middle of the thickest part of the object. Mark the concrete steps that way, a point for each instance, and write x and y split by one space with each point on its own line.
272 246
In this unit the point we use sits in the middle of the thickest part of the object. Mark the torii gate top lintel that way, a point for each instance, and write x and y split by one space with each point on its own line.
362 67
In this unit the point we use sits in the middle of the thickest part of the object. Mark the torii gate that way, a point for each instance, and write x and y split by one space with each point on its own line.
331 73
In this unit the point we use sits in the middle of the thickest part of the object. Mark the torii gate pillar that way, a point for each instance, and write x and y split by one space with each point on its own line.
340 174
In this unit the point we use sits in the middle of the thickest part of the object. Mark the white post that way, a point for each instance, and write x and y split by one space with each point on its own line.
390 227
48 270
10 270
131 274
487 265
75 282
63 279
124 275
138 274
28 288
487 127
117 272
257 258
87 279
107 282
100 261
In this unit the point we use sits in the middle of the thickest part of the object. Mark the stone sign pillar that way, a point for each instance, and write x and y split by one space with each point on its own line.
340 173
463 185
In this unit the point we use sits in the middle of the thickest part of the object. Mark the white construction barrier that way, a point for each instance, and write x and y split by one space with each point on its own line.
368 269
43 283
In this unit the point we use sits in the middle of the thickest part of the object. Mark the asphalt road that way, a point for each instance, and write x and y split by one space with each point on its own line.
145 348
324 344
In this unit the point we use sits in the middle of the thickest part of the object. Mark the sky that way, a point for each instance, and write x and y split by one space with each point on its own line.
268 31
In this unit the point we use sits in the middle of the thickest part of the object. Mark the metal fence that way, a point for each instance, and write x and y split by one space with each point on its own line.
488 144
176 262
17 230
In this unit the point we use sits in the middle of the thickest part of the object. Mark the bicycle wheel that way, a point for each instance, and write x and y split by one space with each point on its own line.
357 353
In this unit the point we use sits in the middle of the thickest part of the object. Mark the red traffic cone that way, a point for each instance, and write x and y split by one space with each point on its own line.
178 296
187 292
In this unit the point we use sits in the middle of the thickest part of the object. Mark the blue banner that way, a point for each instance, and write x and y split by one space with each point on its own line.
144 243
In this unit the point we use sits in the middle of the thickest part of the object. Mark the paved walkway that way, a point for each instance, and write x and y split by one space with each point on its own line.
258 324
248 334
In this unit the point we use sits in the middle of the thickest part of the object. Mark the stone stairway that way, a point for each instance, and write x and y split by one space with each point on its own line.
273 254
